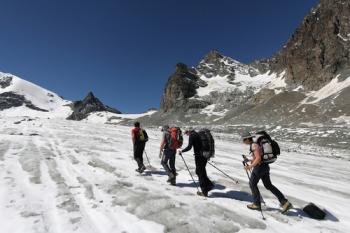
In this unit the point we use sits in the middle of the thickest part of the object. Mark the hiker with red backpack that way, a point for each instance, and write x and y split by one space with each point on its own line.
172 140
264 151
198 141
139 138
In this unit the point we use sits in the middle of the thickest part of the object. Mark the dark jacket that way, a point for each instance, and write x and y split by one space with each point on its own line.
195 142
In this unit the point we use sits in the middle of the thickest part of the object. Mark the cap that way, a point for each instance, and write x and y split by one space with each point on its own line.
246 135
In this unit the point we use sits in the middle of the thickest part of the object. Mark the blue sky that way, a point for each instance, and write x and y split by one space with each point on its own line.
124 51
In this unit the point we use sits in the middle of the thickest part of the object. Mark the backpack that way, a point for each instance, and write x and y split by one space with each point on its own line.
174 138
314 211
208 143
269 147
142 135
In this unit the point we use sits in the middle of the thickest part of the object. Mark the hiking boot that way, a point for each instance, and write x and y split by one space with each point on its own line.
171 175
142 169
138 170
205 193
211 187
173 181
286 206
254 206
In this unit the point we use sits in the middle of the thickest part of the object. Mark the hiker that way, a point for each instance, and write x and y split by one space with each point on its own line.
260 170
139 138
200 161
171 141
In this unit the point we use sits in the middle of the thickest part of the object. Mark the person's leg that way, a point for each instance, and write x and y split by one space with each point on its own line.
208 184
137 156
254 180
201 173
172 177
269 186
172 162
164 162
142 149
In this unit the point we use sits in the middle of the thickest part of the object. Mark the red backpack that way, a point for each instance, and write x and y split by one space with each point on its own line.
175 138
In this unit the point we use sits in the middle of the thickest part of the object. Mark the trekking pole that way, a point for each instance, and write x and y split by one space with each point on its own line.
190 172
234 180
147 158
245 164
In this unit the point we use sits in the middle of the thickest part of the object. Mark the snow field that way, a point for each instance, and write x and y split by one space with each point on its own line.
80 177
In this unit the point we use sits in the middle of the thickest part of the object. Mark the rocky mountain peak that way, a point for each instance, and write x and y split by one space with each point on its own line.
181 68
319 49
180 87
81 109
213 56
92 100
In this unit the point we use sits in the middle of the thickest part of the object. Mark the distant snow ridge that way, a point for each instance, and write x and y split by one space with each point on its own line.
34 94
20 97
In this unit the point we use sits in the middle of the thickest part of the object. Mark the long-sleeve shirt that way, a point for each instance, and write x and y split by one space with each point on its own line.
195 142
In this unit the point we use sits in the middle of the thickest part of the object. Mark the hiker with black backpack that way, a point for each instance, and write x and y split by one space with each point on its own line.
139 138
172 140
263 154
195 141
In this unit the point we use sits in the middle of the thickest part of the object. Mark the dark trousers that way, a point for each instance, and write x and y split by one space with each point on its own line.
204 182
138 153
263 172
168 161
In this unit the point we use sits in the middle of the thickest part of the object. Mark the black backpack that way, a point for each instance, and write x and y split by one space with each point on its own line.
314 212
270 147
208 143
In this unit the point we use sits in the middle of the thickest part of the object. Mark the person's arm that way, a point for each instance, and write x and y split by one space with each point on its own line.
162 145
133 136
190 144
257 157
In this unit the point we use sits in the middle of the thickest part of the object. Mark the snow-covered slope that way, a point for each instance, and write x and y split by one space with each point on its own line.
112 118
47 102
224 74
67 176
19 97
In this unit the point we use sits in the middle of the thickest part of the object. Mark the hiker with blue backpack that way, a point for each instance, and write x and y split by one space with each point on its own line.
264 151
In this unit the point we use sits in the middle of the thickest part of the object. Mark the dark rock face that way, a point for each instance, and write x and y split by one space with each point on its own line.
10 100
180 87
5 82
319 49
81 109
213 65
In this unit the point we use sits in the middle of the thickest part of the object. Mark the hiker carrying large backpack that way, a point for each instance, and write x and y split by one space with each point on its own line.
139 138
172 140
196 142
261 170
